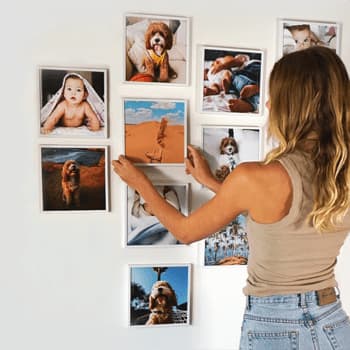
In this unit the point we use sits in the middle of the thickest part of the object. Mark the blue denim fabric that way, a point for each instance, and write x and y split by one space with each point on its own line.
294 322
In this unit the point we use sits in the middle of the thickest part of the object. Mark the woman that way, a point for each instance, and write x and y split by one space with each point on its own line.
297 205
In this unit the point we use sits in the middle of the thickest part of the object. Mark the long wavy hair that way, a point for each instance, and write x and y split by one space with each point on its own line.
310 111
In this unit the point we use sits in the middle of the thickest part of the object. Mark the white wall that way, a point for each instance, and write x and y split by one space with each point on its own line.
63 278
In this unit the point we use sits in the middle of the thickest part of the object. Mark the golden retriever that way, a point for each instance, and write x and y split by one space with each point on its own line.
70 181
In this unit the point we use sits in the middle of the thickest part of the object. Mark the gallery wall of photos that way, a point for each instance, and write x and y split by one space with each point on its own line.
73 133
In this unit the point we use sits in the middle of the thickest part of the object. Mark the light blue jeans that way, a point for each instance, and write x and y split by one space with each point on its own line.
294 322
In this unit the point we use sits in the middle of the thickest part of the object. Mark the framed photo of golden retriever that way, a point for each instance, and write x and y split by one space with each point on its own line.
156 49
155 131
143 228
295 35
225 147
74 178
73 102
231 81
159 295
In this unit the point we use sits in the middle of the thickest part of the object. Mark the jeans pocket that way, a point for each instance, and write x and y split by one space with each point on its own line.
338 334
273 340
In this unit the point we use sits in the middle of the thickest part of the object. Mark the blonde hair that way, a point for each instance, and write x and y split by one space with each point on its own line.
310 111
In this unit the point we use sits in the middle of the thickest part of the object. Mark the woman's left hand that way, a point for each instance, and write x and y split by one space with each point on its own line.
129 173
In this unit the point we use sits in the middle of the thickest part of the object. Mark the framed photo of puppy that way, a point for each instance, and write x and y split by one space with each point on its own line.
155 131
159 295
225 147
295 35
143 228
156 49
73 102
231 81
74 178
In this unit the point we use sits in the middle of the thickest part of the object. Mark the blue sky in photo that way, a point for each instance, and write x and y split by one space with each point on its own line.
138 111
177 276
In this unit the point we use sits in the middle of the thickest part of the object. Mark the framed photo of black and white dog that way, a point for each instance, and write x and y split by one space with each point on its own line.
74 178
155 131
295 35
143 228
156 49
159 295
73 102
231 81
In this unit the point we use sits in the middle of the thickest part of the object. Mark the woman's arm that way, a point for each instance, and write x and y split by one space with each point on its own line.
198 167
232 199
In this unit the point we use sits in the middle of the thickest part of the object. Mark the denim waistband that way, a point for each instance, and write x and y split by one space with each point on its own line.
296 299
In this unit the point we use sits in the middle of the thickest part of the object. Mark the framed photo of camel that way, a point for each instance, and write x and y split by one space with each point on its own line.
143 228
155 131
159 295
156 49
231 81
74 178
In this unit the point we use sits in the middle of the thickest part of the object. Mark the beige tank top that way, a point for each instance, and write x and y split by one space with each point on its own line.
290 256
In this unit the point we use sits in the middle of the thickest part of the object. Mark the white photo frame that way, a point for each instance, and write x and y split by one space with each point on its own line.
170 66
144 311
155 131
237 90
229 245
74 178
294 35
143 229
93 122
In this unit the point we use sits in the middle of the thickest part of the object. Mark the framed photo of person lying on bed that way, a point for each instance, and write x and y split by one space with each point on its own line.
73 102
159 295
74 178
295 35
156 49
225 147
143 228
155 131
231 81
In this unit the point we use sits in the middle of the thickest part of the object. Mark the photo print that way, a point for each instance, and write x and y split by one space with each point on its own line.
74 178
73 102
159 295
298 35
231 80
155 131
225 147
144 229
156 49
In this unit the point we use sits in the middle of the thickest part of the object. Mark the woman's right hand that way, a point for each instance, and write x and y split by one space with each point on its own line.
198 167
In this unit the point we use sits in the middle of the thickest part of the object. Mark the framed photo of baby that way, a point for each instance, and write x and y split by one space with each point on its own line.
231 81
74 178
156 49
155 131
73 102
159 295
297 35
143 228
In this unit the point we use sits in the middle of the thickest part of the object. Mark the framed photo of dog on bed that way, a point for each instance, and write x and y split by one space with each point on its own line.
155 131
231 81
73 102
143 228
159 295
295 35
225 147
156 49
74 178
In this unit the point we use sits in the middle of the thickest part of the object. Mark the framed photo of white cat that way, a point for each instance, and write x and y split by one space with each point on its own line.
295 35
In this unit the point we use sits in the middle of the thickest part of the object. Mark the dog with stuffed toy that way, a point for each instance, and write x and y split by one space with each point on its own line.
158 40
228 159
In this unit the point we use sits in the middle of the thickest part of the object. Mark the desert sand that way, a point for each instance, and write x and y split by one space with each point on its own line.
154 142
